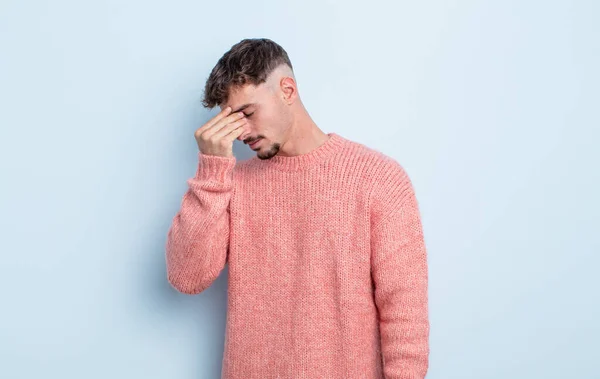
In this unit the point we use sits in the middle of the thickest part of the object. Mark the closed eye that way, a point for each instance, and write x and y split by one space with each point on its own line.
248 115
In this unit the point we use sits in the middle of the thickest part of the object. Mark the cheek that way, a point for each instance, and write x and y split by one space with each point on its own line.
253 123
264 121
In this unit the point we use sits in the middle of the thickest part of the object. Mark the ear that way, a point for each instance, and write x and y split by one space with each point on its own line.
289 89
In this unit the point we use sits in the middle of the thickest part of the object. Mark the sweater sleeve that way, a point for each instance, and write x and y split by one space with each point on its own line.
198 238
399 272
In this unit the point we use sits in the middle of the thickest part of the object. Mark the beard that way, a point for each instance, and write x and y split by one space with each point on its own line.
270 152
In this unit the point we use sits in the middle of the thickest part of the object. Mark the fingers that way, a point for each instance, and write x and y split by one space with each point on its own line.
233 128
218 117
211 130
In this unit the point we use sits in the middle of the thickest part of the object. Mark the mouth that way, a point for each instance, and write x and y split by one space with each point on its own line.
254 144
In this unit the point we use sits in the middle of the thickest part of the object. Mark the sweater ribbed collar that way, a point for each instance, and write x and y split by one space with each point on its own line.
330 147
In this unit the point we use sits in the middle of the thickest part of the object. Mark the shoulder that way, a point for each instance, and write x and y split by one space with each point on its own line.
386 181
378 168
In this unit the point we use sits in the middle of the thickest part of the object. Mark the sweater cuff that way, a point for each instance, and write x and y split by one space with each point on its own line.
215 167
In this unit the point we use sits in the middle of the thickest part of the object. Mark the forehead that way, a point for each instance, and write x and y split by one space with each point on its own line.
248 94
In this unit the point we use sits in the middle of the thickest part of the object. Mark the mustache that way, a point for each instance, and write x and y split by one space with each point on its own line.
250 140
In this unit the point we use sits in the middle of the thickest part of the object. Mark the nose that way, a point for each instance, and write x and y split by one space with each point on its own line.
245 134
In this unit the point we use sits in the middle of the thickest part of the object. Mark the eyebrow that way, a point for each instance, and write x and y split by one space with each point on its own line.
243 107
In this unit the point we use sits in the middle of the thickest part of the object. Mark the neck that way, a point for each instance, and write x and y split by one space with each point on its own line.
333 145
304 136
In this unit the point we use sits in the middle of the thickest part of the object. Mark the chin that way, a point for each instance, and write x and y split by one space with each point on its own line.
269 153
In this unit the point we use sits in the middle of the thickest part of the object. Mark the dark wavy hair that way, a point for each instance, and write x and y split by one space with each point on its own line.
249 61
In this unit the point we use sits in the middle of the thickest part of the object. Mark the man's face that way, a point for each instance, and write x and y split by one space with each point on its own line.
266 114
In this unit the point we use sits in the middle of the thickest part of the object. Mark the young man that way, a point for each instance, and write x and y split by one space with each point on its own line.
323 236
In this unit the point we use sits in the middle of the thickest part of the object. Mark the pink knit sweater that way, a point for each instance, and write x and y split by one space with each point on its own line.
327 262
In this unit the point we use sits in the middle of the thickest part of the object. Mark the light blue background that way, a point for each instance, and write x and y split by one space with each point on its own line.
491 106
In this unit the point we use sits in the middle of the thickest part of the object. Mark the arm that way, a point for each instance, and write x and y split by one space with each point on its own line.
198 238
399 272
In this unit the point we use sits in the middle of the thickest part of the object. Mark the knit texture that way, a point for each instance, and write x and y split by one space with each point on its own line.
327 263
